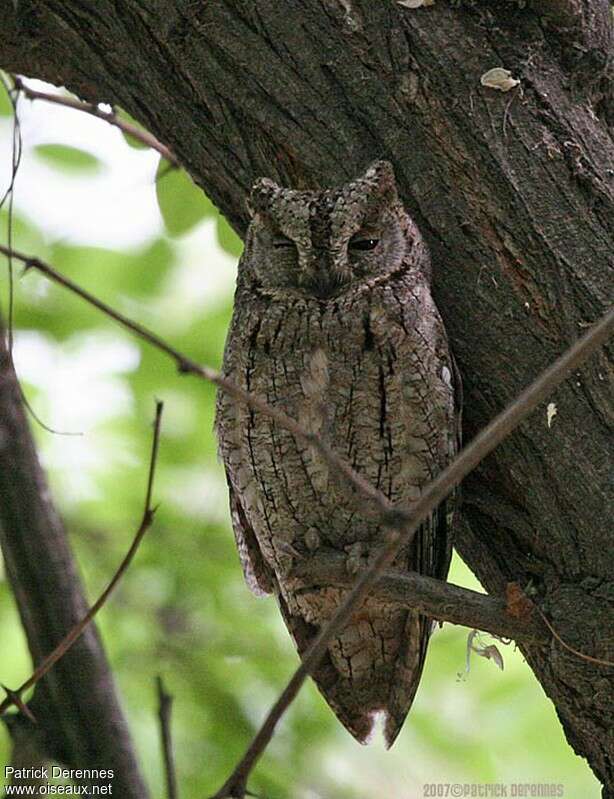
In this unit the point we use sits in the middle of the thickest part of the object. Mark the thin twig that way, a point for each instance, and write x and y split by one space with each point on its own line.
76 631
16 153
165 706
146 138
402 523
17 149
569 648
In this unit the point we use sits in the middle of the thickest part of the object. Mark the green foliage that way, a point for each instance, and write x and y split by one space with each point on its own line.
6 109
183 610
137 144
227 238
69 159
182 203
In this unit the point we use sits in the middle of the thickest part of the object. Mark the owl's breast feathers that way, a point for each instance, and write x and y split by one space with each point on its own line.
371 374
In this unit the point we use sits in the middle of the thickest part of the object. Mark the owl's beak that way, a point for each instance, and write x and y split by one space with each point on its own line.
323 279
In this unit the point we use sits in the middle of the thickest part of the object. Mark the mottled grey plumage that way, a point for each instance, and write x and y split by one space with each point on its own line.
335 324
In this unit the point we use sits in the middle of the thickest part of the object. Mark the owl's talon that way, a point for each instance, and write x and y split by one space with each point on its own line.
357 553
286 548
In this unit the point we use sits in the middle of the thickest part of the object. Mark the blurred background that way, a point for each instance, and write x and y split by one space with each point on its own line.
89 202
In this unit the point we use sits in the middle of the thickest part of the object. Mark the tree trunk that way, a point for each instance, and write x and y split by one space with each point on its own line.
513 192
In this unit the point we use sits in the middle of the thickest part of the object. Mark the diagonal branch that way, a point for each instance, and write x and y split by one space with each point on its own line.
401 522
141 135
405 524
378 502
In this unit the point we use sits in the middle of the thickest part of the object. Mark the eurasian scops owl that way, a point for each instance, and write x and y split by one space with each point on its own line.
335 324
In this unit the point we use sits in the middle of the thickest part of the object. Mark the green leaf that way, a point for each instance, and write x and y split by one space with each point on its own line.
68 159
227 238
26 237
135 143
182 203
6 109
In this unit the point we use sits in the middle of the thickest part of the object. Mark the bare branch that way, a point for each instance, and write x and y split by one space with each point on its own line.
66 643
165 704
439 600
80 719
402 523
144 136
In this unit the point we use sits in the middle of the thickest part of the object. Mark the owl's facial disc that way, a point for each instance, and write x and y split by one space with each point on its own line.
321 242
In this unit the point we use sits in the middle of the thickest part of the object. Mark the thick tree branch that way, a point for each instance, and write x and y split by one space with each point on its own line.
434 598
585 26
80 722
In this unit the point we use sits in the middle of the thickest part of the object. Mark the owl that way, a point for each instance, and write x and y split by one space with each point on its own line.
334 323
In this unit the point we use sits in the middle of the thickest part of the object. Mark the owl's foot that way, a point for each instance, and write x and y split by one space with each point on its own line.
357 557
287 555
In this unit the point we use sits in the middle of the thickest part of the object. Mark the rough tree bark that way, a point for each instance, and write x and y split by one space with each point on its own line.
514 193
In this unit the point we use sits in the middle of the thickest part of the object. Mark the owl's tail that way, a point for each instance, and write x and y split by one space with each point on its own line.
372 668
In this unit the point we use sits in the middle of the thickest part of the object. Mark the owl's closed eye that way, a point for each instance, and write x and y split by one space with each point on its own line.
320 243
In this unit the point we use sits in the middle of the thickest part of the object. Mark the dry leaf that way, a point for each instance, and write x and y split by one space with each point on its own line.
415 3
518 604
491 653
499 79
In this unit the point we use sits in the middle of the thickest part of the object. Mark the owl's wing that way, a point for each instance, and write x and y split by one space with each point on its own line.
257 574
430 554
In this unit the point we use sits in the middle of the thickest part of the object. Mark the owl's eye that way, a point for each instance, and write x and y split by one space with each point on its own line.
363 245
282 241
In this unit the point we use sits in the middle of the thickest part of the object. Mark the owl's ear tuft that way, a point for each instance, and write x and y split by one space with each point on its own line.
380 172
379 181
260 197
380 175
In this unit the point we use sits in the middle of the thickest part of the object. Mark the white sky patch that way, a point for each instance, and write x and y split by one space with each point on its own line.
205 278
81 387
79 377
115 207
199 491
